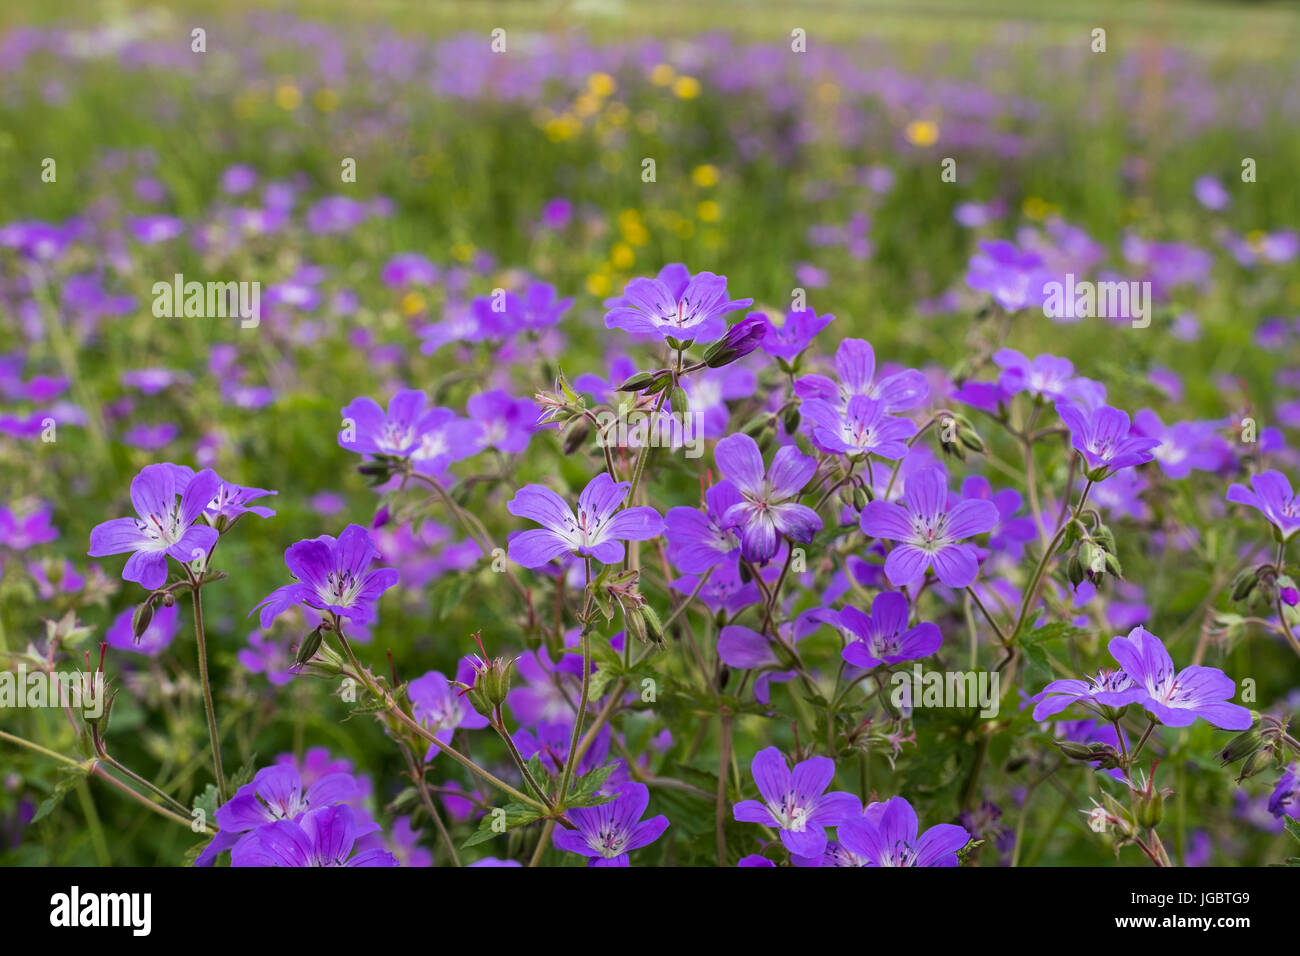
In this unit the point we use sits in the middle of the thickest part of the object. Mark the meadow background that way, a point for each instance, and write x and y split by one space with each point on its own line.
778 170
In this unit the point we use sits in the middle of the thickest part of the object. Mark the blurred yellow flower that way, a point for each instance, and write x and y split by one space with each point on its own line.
601 84
598 284
1034 207
686 88
586 105
662 75
462 251
412 303
622 256
287 96
326 100
708 211
705 175
922 132
562 128
632 228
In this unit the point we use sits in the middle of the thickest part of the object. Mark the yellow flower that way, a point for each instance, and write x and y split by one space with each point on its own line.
632 228
1036 208
922 133
662 75
601 84
326 100
287 96
705 176
622 256
562 128
412 303
686 88
708 211
598 284
586 105
462 251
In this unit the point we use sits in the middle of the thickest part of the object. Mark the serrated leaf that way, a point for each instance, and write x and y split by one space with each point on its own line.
67 782
511 816
585 792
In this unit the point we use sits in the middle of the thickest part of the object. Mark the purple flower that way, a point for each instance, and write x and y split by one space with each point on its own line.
1270 493
274 793
675 305
884 637
1105 439
505 423
888 837
1211 194
333 575
156 637
929 532
769 505
598 530
1177 698
323 837
1112 689
794 335
1014 278
796 801
608 832
396 432
855 362
1285 798
861 429
442 708
168 502
1043 376
1184 446
698 541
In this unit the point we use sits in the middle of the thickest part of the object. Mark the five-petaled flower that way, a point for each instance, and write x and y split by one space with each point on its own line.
333 575
598 530
929 531
169 499
608 832
770 505
675 305
1270 493
1105 438
886 835
796 802
885 637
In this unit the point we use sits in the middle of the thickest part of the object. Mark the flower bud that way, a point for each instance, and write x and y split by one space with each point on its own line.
576 434
141 619
1244 584
1241 746
638 382
741 339
1151 809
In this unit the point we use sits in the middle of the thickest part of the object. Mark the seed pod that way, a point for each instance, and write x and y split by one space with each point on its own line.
575 435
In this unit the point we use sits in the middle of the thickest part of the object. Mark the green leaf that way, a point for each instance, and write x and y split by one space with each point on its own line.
501 820
67 782
207 802
1292 827
585 792
1055 631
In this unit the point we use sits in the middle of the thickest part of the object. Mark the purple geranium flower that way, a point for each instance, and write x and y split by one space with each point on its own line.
333 575
1285 798
884 637
794 335
929 531
442 708
769 505
1043 376
323 837
1104 437
698 540
675 305
888 837
1270 493
1177 698
1014 278
855 362
608 832
274 793
598 530
168 502
505 423
796 801
396 432
1109 689
861 429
